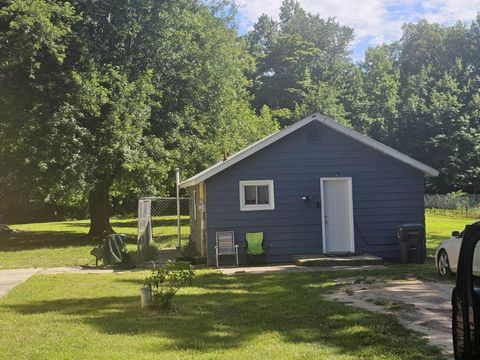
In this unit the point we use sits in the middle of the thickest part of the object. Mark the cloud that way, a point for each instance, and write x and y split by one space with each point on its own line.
374 21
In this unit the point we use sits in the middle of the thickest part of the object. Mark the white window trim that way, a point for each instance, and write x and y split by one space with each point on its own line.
271 195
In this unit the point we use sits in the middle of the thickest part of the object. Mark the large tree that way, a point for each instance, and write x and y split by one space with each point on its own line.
298 58
439 102
102 98
381 84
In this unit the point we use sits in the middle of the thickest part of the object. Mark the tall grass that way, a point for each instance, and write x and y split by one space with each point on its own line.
454 204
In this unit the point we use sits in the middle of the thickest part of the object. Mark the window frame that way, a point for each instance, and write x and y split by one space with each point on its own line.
257 207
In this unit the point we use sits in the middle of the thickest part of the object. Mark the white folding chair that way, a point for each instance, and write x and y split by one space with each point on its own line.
226 245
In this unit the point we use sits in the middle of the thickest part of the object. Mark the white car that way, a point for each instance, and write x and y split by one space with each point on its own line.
446 256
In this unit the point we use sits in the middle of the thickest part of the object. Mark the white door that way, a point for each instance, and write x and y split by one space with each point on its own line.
337 215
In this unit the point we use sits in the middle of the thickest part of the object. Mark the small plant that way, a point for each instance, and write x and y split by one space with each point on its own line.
165 282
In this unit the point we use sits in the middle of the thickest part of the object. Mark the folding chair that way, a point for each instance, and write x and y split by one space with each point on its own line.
226 245
255 246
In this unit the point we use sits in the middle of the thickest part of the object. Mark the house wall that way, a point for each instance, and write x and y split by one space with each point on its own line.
386 193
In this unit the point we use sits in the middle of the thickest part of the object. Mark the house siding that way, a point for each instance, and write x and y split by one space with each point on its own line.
386 193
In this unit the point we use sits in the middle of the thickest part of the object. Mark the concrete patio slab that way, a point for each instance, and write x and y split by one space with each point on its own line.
290 268
337 260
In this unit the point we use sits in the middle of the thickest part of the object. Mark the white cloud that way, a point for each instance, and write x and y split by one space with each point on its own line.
374 21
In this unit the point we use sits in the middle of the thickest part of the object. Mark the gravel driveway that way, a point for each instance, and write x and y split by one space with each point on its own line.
423 306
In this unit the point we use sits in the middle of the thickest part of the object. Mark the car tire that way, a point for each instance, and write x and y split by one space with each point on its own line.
443 264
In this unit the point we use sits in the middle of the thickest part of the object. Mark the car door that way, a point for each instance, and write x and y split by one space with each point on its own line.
466 298
454 252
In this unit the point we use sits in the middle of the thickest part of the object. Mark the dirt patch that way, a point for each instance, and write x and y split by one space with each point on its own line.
419 305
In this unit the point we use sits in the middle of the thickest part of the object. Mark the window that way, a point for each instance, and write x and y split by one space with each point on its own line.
256 195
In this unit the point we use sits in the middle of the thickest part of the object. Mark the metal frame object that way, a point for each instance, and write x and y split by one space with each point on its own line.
225 245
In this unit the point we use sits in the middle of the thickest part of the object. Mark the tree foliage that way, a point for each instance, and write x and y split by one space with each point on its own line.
419 95
297 60
101 100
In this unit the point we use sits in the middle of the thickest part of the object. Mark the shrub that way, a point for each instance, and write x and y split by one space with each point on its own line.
166 281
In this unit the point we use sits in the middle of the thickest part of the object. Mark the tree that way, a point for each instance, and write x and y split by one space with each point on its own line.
318 97
285 52
33 48
263 36
381 83
112 92
438 113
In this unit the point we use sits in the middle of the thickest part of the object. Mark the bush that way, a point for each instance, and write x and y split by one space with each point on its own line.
165 282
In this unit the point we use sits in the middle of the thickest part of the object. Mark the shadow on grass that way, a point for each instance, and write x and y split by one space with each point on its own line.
26 240
31 240
231 312
119 223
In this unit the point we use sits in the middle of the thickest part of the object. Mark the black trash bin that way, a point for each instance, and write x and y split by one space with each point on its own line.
411 238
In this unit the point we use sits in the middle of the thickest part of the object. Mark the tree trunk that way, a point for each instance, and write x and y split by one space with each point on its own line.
99 208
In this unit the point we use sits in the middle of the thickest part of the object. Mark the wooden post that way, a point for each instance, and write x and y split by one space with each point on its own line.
179 231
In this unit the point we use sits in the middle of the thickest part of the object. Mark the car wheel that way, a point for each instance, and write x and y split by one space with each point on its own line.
443 264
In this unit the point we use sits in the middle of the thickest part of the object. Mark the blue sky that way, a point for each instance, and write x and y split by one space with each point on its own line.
374 21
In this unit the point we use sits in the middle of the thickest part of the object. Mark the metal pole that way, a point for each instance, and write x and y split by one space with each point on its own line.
179 231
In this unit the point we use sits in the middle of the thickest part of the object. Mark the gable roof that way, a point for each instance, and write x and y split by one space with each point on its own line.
235 158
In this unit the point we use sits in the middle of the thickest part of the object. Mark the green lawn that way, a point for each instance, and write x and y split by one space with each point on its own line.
281 316
440 227
66 243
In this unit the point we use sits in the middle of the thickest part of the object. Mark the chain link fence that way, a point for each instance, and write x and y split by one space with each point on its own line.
458 204
157 224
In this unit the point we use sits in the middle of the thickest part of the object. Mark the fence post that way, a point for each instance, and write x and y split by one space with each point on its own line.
179 228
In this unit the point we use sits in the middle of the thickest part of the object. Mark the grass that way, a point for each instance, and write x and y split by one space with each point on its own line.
282 316
440 227
66 243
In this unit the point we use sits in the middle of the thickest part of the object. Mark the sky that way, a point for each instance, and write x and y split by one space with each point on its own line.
374 21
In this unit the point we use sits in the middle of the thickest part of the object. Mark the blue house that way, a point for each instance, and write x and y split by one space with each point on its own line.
316 187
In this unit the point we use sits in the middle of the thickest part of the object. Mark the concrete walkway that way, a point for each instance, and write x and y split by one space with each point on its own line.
12 277
289 268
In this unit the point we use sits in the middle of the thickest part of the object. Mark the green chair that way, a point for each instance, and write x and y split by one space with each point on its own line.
255 249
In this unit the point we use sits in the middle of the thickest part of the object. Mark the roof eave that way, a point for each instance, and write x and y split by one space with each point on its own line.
218 167
242 154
